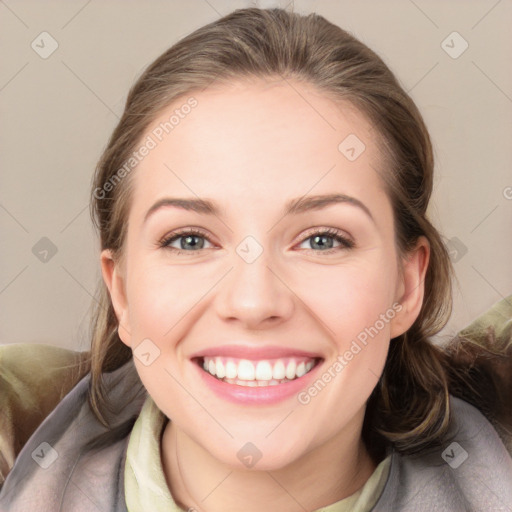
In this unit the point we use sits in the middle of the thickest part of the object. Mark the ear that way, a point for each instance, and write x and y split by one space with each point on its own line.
411 287
116 284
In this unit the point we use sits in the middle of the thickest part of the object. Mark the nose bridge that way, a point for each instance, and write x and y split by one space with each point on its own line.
254 292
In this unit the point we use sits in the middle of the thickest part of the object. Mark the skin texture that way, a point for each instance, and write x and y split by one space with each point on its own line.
251 147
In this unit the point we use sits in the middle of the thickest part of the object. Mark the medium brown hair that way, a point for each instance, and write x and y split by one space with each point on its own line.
410 406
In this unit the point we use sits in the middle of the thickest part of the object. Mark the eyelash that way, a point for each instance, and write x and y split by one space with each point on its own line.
346 243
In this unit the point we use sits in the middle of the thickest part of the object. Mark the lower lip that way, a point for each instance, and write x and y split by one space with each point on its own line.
257 395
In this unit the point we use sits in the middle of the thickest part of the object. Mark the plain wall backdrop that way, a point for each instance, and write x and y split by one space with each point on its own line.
61 94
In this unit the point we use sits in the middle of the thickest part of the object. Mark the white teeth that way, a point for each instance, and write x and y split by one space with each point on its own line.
260 373
301 370
231 370
279 371
255 383
246 370
290 369
219 369
263 371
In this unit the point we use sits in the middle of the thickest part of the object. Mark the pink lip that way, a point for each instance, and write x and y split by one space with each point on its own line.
264 395
253 353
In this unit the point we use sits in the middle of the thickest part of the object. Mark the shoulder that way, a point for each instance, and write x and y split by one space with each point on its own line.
471 428
471 470
33 379
72 446
482 352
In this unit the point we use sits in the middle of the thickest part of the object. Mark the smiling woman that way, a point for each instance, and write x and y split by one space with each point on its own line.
272 245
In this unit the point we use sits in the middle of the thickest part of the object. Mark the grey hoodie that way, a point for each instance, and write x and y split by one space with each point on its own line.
56 472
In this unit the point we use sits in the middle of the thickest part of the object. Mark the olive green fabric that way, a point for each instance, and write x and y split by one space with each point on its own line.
491 331
496 321
33 379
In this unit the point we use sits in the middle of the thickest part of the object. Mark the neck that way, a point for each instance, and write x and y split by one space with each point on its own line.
323 476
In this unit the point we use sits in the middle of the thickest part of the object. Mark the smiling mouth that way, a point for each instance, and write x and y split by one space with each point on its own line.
261 373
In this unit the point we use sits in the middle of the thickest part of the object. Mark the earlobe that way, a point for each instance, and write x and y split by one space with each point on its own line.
115 282
411 289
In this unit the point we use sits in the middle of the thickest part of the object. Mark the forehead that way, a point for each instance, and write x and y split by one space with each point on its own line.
249 142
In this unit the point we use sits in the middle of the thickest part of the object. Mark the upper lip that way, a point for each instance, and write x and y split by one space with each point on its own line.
253 353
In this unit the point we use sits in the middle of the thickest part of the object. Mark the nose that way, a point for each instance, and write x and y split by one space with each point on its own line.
255 294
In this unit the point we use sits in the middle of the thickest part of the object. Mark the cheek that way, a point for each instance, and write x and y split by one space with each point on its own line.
161 308
349 297
356 306
161 297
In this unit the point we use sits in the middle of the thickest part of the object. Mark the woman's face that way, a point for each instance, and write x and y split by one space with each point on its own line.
260 292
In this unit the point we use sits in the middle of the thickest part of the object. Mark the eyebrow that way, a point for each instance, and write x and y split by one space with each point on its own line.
294 206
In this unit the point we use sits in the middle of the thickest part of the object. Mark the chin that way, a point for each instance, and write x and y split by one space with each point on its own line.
257 455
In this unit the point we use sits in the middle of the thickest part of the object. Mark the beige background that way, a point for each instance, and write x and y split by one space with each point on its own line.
57 114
